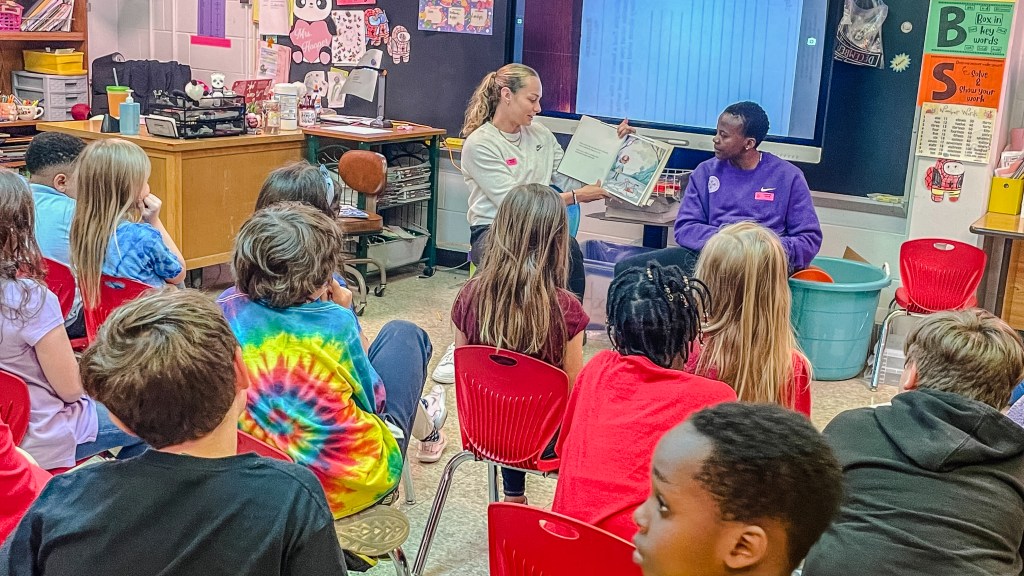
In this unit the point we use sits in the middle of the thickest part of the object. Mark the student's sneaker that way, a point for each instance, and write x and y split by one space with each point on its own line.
430 451
431 413
372 532
445 371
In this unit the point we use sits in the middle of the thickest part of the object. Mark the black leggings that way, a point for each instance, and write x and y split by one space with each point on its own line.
685 258
577 277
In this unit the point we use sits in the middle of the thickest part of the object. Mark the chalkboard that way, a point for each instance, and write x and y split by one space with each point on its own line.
435 85
869 125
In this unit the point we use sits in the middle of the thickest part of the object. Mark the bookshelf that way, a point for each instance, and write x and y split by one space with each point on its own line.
11 45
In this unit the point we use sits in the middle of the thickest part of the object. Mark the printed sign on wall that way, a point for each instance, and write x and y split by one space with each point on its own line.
959 80
958 27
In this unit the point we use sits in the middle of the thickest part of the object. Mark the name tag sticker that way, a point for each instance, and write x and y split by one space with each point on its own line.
766 196
511 162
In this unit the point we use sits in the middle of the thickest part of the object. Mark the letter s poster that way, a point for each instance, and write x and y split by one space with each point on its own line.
961 80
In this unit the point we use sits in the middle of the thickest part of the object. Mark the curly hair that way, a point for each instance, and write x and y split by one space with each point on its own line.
52 150
655 311
768 462
20 257
285 253
755 119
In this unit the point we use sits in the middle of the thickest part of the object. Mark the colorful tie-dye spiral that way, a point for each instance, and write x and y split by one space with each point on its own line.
311 395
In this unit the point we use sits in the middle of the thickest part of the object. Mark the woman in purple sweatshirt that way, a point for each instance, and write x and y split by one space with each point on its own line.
742 183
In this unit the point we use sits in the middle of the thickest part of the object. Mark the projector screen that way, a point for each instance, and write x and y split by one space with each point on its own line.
673 65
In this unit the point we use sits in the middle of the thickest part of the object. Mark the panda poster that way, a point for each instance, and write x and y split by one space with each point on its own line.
956 132
459 16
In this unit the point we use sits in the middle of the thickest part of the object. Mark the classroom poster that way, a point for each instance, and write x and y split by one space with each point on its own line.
274 17
460 16
961 80
970 28
956 132
349 42
274 62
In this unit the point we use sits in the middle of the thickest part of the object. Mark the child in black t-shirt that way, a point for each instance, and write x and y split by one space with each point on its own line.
170 371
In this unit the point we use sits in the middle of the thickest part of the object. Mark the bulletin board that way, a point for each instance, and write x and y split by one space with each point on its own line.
435 84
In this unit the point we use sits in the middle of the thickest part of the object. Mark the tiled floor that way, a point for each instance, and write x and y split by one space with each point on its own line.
460 547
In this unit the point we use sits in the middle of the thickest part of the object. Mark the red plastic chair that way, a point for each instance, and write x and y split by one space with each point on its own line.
14 405
937 275
248 443
524 541
510 407
114 292
61 281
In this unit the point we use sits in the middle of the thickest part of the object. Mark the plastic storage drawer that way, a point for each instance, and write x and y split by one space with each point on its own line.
50 82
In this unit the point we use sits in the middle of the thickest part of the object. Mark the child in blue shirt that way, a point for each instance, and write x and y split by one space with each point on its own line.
50 159
106 234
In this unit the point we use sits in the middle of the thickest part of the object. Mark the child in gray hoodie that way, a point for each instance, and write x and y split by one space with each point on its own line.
935 482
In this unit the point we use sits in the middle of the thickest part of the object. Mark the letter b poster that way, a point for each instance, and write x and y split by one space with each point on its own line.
960 80
969 28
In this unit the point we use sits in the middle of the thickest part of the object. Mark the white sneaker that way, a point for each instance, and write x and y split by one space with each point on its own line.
445 371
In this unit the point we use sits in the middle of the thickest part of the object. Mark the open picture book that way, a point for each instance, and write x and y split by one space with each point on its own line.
627 168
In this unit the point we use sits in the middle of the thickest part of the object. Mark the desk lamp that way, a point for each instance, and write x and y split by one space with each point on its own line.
366 77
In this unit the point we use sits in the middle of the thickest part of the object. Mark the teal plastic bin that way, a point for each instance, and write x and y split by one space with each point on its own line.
833 322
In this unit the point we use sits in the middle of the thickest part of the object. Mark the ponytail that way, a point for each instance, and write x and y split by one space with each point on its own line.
482 104
485 98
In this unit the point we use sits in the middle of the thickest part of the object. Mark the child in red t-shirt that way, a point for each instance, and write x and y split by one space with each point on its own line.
625 399
20 482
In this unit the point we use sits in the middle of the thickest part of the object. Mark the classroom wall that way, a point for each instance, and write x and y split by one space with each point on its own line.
120 26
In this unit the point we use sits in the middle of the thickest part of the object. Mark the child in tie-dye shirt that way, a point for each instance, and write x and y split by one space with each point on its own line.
314 393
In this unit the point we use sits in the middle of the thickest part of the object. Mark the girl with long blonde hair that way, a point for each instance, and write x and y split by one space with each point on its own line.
66 425
518 301
749 342
117 229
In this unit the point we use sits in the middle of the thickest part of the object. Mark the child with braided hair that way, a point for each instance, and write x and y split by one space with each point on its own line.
632 394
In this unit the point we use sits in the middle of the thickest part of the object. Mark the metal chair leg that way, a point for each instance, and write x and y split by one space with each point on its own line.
379 290
435 509
401 564
353 273
410 491
883 337
493 471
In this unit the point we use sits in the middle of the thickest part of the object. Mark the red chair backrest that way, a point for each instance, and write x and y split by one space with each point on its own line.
248 443
14 405
526 541
940 274
114 292
61 282
510 405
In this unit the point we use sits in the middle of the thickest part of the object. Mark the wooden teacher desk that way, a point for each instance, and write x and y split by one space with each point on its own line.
208 185
1002 287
